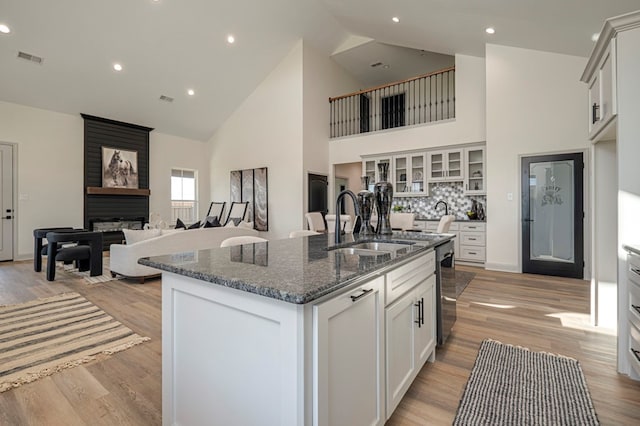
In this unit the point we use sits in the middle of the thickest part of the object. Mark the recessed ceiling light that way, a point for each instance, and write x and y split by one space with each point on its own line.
117 67
4 29
595 36
191 92
385 66
395 19
490 30
231 39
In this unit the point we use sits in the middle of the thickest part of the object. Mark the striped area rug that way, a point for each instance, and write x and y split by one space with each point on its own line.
511 385
41 337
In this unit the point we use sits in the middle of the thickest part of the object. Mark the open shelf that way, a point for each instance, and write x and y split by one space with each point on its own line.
98 190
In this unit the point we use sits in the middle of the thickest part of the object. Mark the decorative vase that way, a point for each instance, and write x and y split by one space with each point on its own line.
383 192
366 203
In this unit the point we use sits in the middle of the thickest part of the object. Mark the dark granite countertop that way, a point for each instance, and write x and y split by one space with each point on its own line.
426 219
295 270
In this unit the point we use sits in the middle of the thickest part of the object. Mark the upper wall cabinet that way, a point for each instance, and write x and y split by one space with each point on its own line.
409 172
602 92
445 166
474 168
370 169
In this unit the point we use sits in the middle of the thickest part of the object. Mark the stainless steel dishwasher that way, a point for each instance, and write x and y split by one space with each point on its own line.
445 290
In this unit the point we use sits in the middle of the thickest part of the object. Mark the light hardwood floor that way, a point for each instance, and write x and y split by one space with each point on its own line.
542 313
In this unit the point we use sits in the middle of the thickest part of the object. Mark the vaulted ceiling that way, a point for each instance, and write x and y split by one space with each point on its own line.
169 46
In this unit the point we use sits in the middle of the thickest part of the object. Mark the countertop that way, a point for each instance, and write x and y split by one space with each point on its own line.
295 270
632 248
424 219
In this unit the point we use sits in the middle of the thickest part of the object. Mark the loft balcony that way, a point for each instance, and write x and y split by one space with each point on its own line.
423 99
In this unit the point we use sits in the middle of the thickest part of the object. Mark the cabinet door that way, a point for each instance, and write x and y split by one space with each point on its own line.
400 179
401 359
474 171
455 171
425 336
437 166
369 169
417 173
348 358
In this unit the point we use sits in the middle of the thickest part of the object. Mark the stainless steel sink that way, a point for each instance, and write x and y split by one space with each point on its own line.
381 246
361 251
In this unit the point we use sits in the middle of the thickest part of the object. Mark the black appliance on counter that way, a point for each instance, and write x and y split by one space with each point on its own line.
445 290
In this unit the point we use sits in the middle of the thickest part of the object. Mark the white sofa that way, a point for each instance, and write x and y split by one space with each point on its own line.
124 257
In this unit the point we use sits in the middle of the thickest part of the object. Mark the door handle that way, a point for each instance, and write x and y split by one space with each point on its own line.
527 220
364 293
6 217
419 320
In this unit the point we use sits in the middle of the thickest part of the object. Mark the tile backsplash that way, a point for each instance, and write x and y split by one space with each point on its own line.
449 192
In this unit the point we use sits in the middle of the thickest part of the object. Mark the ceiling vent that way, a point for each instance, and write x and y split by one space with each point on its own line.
29 57
376 64
166 98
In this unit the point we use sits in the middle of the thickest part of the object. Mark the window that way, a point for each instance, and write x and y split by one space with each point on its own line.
393 111
184 201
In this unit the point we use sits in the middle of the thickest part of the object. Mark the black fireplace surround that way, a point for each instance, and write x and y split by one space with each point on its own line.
123 208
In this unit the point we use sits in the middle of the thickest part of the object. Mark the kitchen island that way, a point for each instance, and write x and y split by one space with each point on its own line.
297 331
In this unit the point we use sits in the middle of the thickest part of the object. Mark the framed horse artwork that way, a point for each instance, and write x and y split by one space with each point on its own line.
119 168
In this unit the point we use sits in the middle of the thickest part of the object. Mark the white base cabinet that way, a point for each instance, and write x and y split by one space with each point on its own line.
348 367
236 358
411 340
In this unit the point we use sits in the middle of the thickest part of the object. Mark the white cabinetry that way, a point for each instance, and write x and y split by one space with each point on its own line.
472 242
410 326
445 166
348 365
370 168
602 92
475 171
633 313
409 172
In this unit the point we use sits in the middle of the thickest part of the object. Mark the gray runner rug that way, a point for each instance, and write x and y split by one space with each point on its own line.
511 385
41 337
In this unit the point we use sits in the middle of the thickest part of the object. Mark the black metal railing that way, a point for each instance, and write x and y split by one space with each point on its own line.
422 99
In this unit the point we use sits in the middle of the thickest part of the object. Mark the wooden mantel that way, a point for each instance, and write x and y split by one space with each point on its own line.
98 190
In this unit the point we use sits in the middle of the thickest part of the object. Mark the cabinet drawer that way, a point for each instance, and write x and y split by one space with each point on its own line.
634 303
634 348
471 253
633 268
432 226
472 226
472 238
404 278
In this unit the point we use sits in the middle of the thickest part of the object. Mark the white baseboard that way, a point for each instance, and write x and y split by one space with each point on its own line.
502 267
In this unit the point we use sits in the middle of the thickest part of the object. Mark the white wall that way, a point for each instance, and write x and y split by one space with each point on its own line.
605 236
468 126
283 125
50 169
628 152
352 172
322 78
167 152
266 131
535 104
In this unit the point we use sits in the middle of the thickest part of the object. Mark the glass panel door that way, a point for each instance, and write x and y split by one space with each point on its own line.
552 215
417 173
400 175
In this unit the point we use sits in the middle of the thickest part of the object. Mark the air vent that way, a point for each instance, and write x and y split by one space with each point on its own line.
30 57
376 64
166 98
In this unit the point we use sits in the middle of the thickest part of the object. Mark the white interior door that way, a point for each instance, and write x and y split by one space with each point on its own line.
6 202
